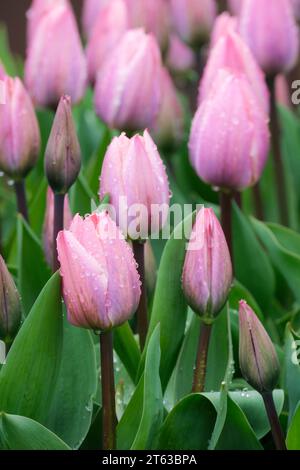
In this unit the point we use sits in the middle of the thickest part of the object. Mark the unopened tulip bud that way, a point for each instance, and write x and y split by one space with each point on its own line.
10 306
101 286
19 130
55 63
168 130
193 19
110 26
180 57
257 356
63 156
128 89
229 140
49 224
223 25
91 10
230 52
207 271
133 172
270 30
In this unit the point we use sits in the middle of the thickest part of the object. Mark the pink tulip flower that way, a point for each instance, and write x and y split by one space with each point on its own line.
91 10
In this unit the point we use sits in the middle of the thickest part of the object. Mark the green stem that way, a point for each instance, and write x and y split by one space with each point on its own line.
21 199
109 419
226 218
201 361
142 311
59 201
258 202
276 429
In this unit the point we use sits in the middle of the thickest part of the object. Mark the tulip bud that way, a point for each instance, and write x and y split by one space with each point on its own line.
235 6
35 14
110 26
153 16
223 25
258 359
19 130
207 271
10 306
168 130
128 90
55 63
49 224
229 139
63 156
270 30
101 285
180 57
193 19
134 176
91 10
230 52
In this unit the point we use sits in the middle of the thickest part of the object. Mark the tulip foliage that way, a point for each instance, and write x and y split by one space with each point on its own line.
123 328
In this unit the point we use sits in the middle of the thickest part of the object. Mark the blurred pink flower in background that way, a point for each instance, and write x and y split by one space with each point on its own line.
55 63
270 30
223 25
19 130
229 140
193 19
91 10
49 224
110 26
180 57
168 129
235 6
132 168
101 285
128 87
232 53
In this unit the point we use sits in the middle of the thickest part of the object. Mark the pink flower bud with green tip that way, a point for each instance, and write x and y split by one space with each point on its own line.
271 32
101 285
19 130
258 359
111 24
207 271
49 224
55 63
193 19
229 139
10 306
133 172
128 87
63 155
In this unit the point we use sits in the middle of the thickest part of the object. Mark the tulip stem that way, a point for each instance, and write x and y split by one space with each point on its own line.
278 161
142 311
276 429
59 201
226 218
21 198
109 419
201 361
258 202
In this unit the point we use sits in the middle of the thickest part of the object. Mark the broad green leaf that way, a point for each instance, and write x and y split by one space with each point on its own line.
169 305
152 414
28 378
252 266
288 238
292 370
189 425
93 440
7 59
21 433
33 271
285 261
129 423
37 208
293 436
71 408
127 349
81 196
239 292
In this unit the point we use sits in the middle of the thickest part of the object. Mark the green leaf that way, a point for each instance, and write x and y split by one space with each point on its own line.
127 349
33 272
287 262
28 378
293 436
81 196
189 425
169 305
238 292
292 370
152 414
252 266
21 433
129 423
71 408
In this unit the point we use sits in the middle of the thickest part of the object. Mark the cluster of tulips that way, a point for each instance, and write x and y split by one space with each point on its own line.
138 54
